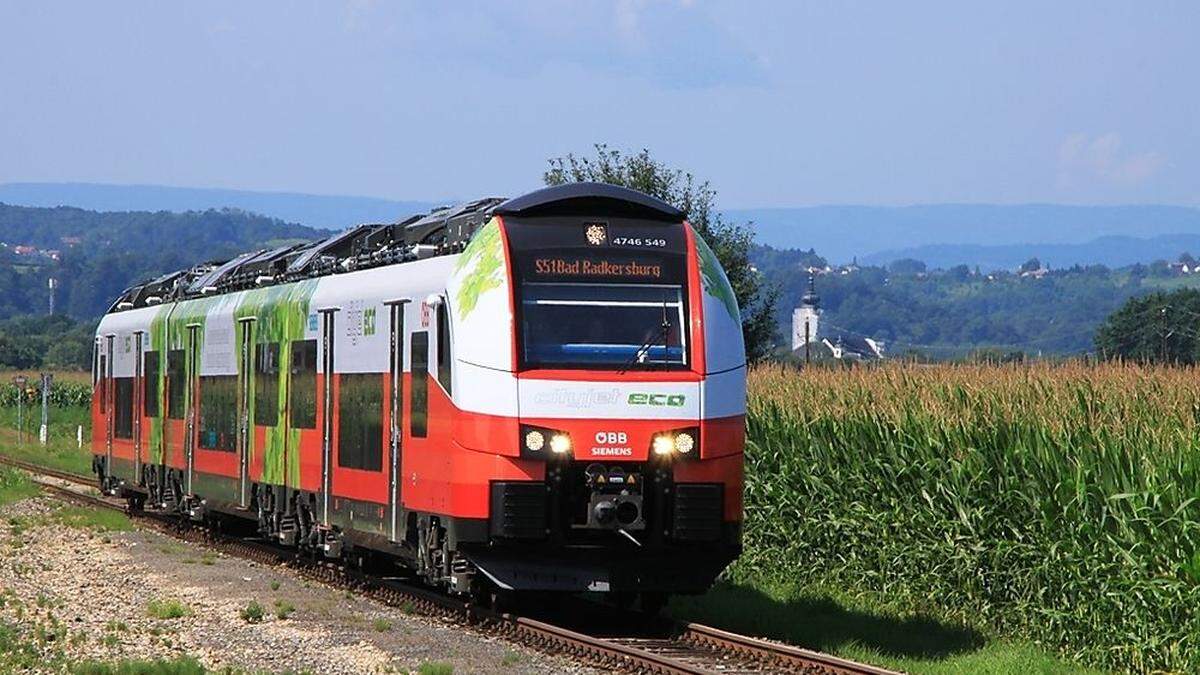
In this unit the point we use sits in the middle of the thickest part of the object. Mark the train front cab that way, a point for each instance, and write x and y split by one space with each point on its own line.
630 387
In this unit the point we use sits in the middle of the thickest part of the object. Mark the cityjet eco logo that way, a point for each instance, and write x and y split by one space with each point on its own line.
577 398
368 321
670 400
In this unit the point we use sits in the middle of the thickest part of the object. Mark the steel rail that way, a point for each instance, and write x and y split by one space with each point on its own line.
692 649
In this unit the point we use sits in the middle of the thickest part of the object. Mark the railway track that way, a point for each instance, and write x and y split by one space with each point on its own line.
663 648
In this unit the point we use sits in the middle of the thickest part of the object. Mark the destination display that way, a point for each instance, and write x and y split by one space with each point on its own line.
601 251
566 266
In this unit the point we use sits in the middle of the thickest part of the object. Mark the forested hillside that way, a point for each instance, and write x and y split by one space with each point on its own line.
948 313
914 310
94 255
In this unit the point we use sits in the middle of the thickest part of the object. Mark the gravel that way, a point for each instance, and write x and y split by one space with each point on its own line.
94 588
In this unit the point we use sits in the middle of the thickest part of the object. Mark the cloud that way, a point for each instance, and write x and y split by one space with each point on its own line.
677 44
1085 159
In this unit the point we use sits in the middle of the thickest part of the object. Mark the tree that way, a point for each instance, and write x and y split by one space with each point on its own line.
731 242
1031 265
1156 328
909 267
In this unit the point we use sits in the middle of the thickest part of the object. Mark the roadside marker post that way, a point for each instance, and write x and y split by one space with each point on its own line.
20 381
44 431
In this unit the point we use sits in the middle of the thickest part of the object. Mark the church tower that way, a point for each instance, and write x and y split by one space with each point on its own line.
806 317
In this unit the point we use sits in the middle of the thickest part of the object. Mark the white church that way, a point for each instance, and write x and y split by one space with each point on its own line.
806 332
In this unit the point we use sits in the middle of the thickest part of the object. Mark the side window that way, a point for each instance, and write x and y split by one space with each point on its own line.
360 421
445 358
266 384
218 412
176 384
150 384
418 346
103 389
302 397
123 423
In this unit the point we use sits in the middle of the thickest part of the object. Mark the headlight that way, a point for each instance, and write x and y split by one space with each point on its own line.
663 444
681 444
534 440
560 443
684 442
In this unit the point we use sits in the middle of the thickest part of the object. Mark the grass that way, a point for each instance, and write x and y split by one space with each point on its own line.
1010 511
180 666
865 628
61 451
284 609
381 625
15 486
39 649
253 612
435 668
92 518
166 609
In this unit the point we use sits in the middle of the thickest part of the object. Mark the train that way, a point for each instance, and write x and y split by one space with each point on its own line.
507 396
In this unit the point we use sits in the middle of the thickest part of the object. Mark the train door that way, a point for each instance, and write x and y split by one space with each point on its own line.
327 320
192 363
245 352
106 370
396 414
139 389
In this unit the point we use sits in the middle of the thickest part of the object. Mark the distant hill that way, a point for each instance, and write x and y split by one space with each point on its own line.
838 232
842 232
1109 251
330 212
94 256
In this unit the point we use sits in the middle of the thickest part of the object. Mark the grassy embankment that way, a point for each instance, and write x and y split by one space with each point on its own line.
68 412
973 518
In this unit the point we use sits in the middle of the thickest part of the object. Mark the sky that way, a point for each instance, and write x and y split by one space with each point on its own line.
776 103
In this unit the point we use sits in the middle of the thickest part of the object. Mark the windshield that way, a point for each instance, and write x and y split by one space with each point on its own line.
635 326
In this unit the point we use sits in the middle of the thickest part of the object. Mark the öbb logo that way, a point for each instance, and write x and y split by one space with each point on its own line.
612 437
672 400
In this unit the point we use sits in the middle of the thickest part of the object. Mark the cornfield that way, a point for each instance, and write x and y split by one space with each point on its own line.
1056 503
62 394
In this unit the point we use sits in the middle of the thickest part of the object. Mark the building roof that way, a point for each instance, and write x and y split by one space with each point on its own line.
856 345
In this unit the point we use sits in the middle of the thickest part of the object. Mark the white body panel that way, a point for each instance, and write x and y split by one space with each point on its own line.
723 394
479 292
122 326
570 399
361 339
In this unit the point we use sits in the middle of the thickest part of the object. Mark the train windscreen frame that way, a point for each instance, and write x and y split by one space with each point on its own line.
600 294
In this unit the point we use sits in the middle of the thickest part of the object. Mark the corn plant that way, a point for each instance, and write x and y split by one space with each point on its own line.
1056 503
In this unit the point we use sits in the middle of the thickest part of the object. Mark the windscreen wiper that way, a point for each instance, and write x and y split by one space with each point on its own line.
638 355
663 332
